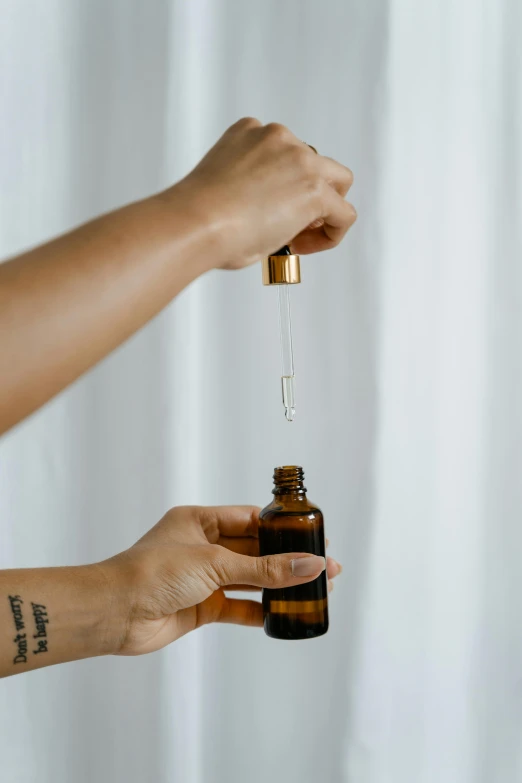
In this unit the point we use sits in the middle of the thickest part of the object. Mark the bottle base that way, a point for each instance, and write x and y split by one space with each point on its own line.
293 630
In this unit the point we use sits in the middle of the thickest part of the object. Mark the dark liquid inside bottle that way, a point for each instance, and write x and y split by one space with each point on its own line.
292 524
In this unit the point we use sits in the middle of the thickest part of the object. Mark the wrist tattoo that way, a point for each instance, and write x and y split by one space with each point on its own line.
40 620
22 639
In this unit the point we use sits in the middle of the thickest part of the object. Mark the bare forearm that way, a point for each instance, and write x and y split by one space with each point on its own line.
54 615
67 304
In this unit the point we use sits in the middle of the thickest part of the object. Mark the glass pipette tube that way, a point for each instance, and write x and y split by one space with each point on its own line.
287 357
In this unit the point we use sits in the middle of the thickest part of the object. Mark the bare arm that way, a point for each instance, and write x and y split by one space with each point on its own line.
67 304
170 582
54 615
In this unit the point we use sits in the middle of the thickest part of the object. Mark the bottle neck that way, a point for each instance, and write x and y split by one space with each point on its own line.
289 480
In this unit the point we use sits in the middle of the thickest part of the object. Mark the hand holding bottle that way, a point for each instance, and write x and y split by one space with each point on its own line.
178 574
172 581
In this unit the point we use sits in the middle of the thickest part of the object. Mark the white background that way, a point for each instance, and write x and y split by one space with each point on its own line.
408 364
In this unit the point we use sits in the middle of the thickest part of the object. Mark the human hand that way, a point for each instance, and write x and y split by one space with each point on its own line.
261 188
173 579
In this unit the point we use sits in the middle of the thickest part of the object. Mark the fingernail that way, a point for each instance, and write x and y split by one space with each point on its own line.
316 223
308 566
339 566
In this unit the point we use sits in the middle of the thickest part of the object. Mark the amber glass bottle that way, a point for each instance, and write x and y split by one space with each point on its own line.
292 524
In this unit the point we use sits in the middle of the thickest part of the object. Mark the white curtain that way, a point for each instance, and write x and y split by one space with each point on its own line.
409 370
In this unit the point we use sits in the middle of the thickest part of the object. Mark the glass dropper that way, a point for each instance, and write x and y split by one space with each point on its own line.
283 269
287 356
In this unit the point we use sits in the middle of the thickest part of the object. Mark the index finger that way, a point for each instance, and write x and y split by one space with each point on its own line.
338 176
234 521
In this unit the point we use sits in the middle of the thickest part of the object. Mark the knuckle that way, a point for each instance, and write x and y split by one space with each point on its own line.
277 131
191 514
188 511
246 123
269 569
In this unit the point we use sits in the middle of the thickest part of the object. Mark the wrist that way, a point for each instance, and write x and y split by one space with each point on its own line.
60 614
204 221
114 605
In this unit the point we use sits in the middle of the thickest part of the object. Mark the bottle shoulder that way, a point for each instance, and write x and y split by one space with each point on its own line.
286 506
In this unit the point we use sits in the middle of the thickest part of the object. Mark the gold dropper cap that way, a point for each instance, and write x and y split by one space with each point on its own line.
282 268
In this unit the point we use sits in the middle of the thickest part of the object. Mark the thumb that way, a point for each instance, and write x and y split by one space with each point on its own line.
287 570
